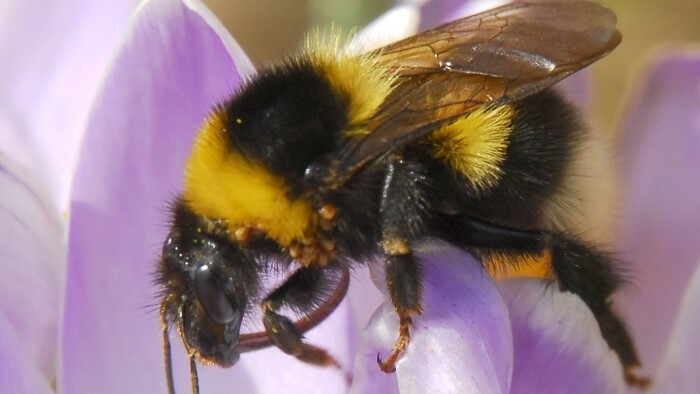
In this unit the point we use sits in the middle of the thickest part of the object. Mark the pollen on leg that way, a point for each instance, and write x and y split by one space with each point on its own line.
328 211
241 234
395 247
295 251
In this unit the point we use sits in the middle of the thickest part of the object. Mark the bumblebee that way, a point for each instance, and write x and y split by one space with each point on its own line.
330 159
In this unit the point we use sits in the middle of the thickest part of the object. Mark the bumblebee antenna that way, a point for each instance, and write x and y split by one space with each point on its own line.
194 378
192 354
166 350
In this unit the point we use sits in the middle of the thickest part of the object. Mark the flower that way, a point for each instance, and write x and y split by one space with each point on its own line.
50 70
518 336
659 230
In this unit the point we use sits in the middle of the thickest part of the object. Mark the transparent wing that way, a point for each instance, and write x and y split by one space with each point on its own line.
498 56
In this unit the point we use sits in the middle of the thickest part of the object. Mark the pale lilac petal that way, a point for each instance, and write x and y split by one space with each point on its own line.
577 89
394 25
377 338
660 231
169 73
52 60
19 373
678 370
30 284
557 342
243 64
461 343
437 12
364 297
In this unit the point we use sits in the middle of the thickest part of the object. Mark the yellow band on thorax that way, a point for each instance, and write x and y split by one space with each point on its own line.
221 183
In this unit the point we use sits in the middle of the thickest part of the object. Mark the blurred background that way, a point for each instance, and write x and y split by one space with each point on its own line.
268 29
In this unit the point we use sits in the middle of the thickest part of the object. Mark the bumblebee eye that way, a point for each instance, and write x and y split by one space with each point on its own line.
211 295
314 173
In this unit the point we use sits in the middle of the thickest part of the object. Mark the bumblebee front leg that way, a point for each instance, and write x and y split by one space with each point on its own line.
303 291
401 202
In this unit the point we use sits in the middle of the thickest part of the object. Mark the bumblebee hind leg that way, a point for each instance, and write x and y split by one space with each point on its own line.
589 273
579 268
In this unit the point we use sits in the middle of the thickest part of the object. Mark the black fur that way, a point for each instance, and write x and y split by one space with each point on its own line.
290 116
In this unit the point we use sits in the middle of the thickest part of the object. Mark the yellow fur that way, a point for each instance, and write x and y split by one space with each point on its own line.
220 183
475 145
361 78
504 266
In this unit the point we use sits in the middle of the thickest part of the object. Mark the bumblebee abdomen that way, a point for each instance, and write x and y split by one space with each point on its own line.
539 148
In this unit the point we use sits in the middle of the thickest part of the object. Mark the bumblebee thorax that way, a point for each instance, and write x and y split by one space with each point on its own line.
222 183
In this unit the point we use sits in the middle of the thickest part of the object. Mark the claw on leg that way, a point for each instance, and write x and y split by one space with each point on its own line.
389 364
633 379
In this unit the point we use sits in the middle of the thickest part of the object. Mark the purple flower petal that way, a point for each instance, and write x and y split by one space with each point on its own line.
19 373
364 297
437 12
170 71
461 343
31 256
52 64
678 371
557 342
394 25
660 231
577 89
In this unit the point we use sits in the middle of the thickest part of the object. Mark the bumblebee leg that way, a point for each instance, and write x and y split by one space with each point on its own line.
403 284
303 291
579 268
401 201
589 273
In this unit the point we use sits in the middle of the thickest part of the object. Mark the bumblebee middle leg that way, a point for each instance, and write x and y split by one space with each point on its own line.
403 283
303 292
401 212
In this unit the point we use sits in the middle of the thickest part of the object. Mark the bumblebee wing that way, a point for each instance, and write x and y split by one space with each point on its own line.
498 56
516 41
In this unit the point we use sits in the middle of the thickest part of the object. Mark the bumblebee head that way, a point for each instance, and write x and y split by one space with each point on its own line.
206 280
